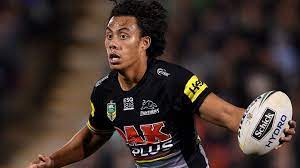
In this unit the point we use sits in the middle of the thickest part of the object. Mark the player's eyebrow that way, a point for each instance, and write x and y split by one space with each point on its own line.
121 29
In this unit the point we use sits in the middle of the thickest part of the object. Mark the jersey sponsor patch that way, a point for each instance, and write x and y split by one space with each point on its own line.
128 103
194 87
161 71
152 140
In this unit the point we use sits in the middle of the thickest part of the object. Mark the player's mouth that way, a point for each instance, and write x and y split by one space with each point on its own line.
114 58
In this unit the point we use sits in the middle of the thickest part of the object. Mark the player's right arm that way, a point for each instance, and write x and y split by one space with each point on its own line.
82 145
97 131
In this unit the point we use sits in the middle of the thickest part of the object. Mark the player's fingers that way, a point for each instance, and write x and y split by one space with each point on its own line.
36 161
37 165
45 161
290 131
42 157
285 139
42 165
292 124
32 166
279 146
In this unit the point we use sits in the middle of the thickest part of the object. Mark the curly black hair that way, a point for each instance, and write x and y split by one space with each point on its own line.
151 19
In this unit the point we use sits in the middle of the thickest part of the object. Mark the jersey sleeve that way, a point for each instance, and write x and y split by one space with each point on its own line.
98 122
193 91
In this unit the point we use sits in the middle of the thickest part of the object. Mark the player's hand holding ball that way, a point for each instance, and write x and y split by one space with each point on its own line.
266 124
42 162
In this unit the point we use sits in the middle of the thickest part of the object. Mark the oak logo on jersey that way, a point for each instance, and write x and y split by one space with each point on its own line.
128 103
111 110
152 140
161 71
148 108
194 87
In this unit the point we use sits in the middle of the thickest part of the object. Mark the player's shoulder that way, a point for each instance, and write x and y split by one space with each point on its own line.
166 69
105 81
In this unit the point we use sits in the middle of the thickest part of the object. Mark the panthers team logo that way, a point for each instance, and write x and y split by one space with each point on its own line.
111 110
148 108
148 105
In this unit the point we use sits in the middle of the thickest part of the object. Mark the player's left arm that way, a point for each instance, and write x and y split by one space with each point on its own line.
219 112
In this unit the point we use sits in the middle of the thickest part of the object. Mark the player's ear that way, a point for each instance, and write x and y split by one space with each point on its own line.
146 42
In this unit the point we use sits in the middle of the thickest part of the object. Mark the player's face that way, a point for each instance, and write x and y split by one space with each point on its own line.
123 42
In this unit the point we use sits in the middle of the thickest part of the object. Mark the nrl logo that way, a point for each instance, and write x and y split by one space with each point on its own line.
111 110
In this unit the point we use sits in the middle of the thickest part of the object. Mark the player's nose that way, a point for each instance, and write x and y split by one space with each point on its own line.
113 44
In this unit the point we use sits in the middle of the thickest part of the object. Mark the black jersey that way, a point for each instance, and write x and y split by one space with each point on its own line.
155 118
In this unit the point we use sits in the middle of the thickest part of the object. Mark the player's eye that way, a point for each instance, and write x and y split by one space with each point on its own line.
109 36
124 36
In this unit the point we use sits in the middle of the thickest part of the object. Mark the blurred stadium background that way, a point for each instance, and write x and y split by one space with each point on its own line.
52 53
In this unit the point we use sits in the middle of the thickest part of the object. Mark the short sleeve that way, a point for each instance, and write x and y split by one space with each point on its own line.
192 90
195 92
98 122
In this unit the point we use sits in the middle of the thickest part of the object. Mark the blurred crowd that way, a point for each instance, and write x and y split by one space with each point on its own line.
29 52
239 48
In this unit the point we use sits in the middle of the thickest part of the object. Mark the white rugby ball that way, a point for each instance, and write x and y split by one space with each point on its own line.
263 123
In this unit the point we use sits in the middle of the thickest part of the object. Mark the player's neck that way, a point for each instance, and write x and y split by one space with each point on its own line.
132 75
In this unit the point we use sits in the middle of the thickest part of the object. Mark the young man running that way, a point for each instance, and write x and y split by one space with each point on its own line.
149 102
